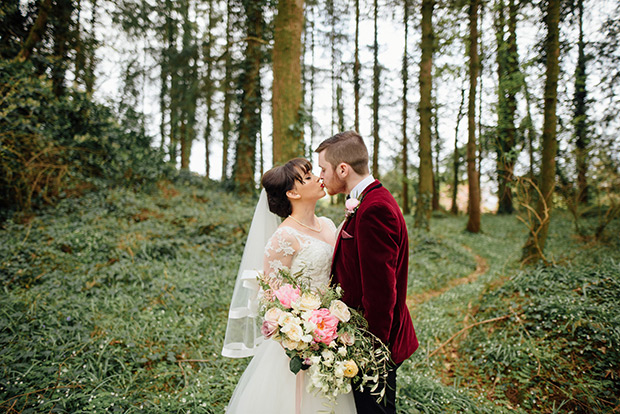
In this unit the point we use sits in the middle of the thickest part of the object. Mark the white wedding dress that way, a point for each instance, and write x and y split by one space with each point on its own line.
267 386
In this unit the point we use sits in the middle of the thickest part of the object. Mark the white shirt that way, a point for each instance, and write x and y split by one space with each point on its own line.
361 186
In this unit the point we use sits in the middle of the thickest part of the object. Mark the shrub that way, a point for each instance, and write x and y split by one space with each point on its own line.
52 147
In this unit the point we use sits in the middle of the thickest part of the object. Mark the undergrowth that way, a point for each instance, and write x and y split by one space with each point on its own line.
117 302
106 295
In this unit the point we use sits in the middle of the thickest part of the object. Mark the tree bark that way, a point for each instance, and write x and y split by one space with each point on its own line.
580 119
375 96
454 209
209 87
287 93
89 70
435 165
357 65
509 84
405 77
251 99
227 92
535 245
425 185
473 223
36 31
61 34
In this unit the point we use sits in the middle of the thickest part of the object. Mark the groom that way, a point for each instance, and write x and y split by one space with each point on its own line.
371 256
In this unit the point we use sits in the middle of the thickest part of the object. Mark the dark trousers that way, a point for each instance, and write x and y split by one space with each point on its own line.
366 403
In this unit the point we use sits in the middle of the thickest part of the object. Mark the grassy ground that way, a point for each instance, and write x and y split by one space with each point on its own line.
106 298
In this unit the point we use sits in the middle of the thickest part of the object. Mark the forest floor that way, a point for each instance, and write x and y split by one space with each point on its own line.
117 302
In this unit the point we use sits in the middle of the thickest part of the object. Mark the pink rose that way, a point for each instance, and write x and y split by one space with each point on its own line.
326 325
347 338
287 294
269 328
351 204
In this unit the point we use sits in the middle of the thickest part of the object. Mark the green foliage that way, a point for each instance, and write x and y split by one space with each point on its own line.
436 260
117 301
561 342
51 147
105 295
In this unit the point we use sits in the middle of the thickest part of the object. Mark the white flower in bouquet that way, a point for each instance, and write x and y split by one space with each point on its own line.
340 310
309 301
274 314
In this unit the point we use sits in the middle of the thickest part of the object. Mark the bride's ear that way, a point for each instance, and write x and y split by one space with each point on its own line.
292 194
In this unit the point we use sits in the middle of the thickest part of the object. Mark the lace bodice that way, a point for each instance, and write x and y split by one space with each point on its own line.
298 251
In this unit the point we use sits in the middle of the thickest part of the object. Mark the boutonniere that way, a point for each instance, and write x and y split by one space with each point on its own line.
351 206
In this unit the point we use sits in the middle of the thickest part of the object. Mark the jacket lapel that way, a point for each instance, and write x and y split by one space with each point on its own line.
345 224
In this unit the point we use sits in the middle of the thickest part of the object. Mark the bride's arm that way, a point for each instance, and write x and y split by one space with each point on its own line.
279 252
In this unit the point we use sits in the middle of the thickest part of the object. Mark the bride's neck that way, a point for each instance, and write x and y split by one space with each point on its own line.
304 212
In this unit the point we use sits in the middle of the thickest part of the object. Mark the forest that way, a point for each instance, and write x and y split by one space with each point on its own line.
133 135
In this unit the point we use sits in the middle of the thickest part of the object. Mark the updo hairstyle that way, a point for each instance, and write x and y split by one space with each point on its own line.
278 180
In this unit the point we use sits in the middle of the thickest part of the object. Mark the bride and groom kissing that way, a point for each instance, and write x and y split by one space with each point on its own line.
367 256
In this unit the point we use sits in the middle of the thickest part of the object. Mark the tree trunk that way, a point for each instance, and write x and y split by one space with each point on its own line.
332 44
209 88
188 91
534 246
509 84
89 70
61 34
454 209
405 76
227 92
580 117
287 97
435 165
312 77
531 132
251 99
36 31
375 96
357 65
473 223
425 186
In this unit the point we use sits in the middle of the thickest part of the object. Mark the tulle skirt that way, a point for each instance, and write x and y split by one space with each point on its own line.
267 386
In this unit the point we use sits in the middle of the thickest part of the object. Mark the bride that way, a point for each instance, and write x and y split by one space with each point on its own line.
302 241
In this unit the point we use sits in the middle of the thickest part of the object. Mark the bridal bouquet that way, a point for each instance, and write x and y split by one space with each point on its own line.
321 334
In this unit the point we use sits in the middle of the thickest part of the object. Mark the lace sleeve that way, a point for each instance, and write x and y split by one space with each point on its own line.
279 251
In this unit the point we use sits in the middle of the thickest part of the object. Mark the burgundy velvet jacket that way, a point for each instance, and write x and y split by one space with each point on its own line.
371 261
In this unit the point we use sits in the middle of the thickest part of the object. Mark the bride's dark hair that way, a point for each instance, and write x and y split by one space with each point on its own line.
278 180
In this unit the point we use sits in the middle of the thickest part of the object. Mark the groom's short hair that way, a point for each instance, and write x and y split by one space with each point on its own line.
347 147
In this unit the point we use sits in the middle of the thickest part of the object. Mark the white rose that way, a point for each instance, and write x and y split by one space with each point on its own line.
309 301
288 344
293 331
340 310
273 314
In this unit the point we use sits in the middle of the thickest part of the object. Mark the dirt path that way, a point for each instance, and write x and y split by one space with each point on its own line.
481 268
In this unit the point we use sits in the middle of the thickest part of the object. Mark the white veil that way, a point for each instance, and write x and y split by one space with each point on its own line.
243 332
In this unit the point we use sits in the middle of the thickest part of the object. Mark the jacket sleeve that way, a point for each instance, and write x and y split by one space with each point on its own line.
378 244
